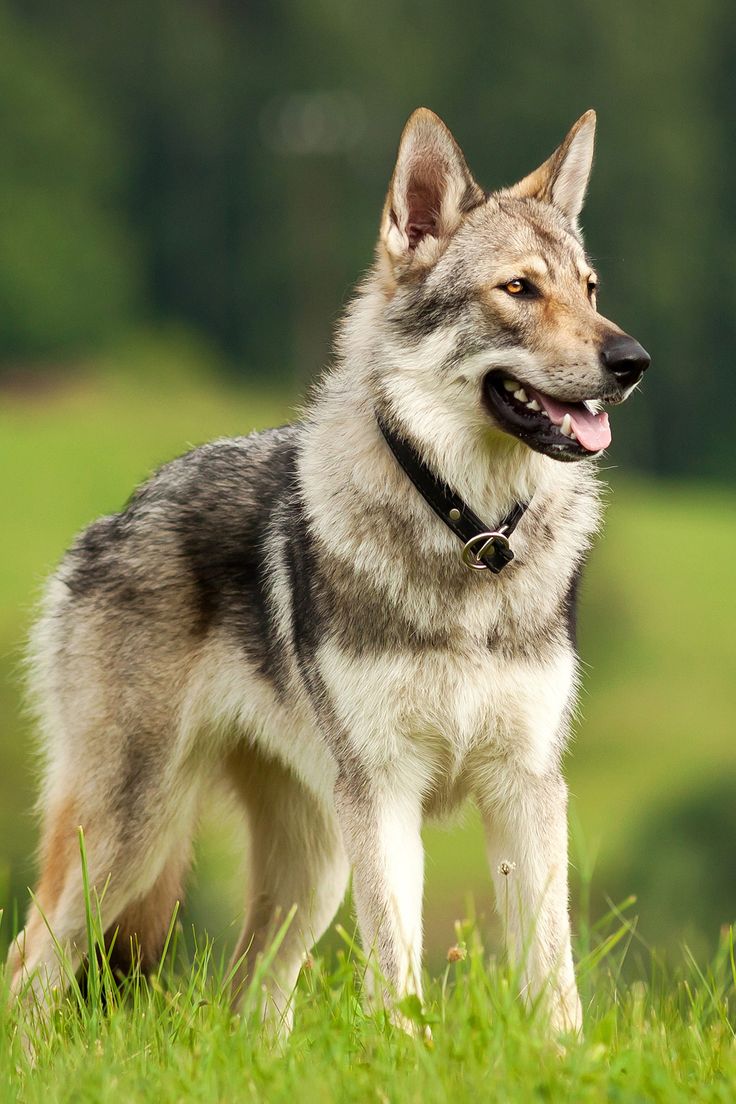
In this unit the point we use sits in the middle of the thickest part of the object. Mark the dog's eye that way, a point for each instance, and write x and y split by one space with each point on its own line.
518 287
592 288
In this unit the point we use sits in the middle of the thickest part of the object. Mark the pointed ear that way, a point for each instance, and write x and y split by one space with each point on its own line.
563 178
430 191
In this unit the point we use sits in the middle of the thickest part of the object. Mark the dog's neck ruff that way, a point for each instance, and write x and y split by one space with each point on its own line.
484 548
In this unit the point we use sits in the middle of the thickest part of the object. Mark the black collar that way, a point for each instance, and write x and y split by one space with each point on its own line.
483 546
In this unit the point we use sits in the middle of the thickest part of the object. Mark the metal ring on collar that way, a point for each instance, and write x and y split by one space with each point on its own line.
473 559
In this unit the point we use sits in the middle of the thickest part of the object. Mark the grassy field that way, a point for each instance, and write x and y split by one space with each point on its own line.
174 1039
652 775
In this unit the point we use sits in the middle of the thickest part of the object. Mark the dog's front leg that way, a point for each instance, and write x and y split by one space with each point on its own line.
525 817
381 825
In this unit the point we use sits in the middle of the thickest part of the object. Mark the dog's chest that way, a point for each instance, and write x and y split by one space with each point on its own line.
487 670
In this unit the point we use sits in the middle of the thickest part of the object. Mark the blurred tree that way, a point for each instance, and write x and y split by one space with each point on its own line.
68 264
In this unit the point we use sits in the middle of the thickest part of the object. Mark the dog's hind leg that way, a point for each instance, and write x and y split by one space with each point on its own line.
135 838
296 859
139 933
33 948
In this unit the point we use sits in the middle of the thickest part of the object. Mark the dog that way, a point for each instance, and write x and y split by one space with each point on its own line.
359 620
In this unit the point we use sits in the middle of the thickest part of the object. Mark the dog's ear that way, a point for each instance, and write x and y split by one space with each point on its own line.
563 178
430 191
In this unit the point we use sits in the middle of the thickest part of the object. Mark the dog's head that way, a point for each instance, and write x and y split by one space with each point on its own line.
491 298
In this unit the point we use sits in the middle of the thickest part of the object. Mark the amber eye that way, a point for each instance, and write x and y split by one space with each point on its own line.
515 287
520 287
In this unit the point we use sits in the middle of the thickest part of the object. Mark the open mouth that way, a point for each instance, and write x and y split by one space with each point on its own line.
563 430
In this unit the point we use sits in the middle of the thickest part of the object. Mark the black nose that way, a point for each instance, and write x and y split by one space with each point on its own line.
625 358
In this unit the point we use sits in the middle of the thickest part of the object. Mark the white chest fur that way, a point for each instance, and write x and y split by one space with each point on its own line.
448 704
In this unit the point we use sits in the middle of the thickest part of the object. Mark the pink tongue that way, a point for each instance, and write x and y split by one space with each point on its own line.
592 430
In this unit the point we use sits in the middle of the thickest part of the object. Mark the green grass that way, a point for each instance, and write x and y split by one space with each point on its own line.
173 1037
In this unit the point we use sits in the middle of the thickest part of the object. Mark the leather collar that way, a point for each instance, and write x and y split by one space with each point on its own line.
483 546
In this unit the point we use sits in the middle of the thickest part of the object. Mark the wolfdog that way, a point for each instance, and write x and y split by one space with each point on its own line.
358 620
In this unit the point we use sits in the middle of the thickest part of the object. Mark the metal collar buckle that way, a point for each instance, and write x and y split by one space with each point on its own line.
497 542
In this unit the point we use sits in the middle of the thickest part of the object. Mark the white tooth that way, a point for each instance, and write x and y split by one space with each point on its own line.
566 426
510 385
521 395
533 405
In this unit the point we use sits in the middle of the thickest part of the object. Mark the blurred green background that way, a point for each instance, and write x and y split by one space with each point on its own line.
188 191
